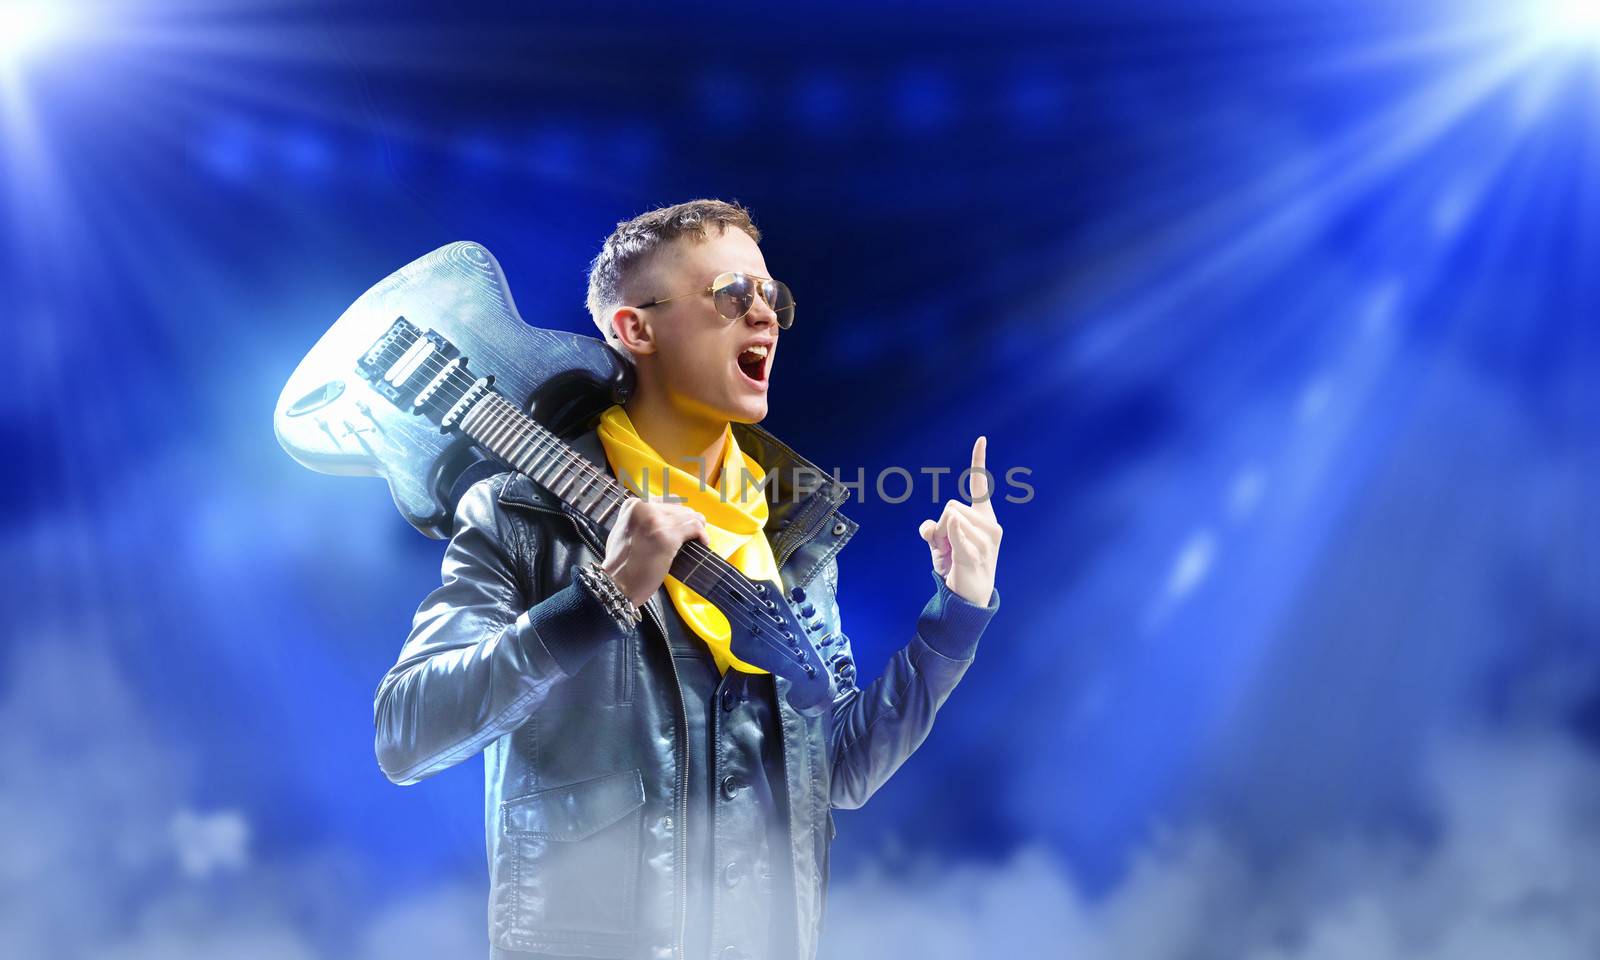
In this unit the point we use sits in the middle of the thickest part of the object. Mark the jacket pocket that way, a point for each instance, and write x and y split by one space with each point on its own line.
624 675
573 869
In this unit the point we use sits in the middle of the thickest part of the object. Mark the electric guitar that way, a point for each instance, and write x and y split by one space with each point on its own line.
432 375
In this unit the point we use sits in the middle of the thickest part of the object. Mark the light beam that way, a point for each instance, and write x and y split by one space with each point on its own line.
1573 24
26 28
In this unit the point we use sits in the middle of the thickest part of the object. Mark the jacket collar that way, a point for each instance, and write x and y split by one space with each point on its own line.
804 494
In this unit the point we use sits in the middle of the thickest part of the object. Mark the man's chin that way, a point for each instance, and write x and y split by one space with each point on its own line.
753 410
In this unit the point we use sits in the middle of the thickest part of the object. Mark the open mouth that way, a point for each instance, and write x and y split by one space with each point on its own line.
753 362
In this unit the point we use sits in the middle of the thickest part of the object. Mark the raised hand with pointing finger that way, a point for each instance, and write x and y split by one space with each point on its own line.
965 540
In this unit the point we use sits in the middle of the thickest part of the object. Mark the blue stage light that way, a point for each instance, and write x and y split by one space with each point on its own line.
1565 23
27 28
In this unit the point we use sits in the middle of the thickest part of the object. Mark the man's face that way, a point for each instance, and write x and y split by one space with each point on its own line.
698 351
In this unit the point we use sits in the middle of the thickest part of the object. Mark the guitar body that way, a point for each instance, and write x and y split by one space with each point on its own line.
332 420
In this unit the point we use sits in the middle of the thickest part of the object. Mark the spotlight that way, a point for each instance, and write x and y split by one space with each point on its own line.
27 27
1565 23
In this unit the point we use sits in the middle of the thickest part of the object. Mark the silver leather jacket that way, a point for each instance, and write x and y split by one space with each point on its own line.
581 722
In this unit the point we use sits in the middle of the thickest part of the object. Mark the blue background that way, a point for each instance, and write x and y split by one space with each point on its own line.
1289 309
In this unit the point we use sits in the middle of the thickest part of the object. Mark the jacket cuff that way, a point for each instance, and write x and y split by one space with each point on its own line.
572 624
951 624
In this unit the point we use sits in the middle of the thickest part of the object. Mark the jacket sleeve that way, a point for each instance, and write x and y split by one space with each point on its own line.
479 659
876 729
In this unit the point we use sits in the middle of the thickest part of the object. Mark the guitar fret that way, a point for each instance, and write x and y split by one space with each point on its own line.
591 494
579 491
524 447
488 422
609 496
563 484
477 415
527 446
543 459
532 442
557 472
501 428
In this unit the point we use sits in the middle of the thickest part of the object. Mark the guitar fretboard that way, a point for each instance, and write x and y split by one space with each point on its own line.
527 446
530 448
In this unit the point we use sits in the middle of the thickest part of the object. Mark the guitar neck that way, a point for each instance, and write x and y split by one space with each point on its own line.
528 447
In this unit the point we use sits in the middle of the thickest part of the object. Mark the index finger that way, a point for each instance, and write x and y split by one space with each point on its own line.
978 482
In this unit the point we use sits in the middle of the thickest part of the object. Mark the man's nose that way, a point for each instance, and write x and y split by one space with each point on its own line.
761 313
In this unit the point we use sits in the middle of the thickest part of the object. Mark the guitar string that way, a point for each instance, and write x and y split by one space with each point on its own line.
503 414
611 492
506 414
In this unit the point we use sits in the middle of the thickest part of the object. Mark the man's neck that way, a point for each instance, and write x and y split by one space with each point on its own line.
683 442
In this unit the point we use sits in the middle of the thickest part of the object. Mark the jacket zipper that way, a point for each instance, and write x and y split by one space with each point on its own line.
811 531
683 766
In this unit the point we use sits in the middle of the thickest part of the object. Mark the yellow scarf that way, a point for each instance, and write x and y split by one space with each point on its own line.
735 512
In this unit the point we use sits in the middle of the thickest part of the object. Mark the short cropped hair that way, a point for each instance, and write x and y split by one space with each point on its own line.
635 241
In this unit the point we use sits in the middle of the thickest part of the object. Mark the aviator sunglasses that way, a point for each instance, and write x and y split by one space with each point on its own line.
734 293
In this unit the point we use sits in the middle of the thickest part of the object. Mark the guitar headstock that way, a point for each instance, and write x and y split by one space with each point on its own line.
769 632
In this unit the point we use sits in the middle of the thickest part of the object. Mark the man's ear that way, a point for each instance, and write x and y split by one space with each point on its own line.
632 331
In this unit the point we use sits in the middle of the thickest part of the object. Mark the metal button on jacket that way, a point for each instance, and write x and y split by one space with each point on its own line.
733 873
729 700
730 787
731 953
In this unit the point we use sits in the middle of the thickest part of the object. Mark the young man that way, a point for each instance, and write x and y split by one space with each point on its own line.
649 794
